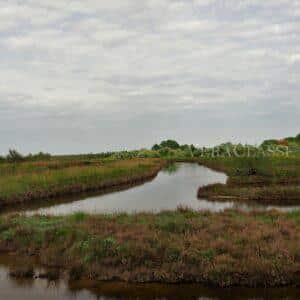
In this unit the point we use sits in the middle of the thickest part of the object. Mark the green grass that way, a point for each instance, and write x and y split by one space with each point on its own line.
24 181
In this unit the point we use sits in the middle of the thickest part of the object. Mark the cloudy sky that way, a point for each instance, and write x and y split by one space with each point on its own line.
86 76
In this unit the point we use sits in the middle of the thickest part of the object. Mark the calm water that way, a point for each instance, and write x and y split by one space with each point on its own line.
173 187
36 289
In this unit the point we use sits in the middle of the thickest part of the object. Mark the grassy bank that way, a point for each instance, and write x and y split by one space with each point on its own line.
28 181
272 180
280 195
224 249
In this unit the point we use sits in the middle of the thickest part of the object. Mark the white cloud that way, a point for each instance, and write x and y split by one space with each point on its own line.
147 56
294 57
204 2
197 25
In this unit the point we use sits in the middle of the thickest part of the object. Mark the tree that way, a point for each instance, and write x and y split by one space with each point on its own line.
193 148
14 156
156 147
172 144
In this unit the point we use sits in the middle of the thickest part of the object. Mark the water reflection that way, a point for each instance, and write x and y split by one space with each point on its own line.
172 168
34 289
175 186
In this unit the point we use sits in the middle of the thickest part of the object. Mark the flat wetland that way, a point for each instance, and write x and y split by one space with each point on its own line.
206 225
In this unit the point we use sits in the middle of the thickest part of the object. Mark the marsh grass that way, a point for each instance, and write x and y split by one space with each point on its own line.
229 248
24 181
280 168
272 180
271 194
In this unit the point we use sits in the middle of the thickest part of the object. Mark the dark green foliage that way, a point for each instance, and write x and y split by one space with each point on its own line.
14 156
171 144
193 148
155 147
38 156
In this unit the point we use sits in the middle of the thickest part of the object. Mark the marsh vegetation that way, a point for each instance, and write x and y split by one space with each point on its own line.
264 180
28 181
227 248
222 249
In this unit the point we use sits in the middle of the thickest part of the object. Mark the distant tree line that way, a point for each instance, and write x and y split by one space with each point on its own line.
14 156
167 149
292 142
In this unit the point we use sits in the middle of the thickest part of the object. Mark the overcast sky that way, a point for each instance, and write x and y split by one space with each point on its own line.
86 76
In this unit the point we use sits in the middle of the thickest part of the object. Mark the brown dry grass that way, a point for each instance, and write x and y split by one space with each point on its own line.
225 249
